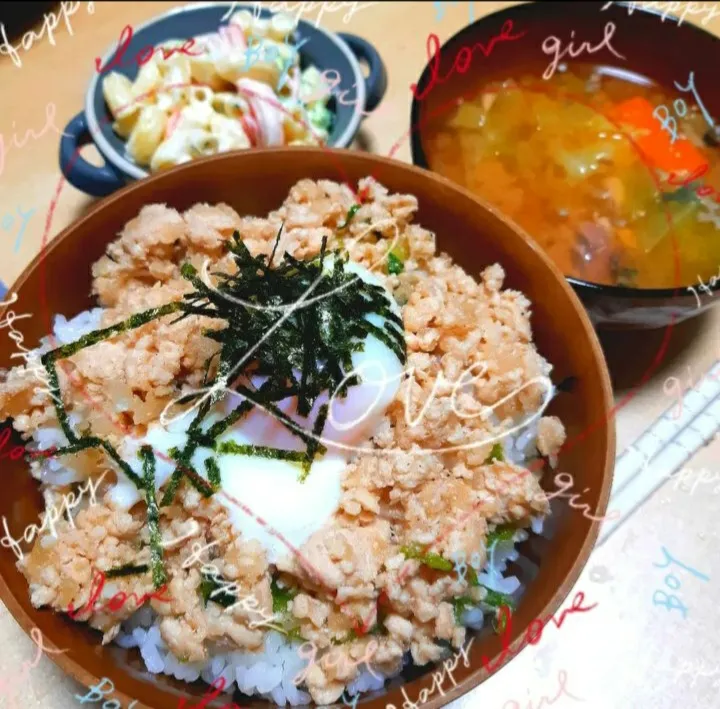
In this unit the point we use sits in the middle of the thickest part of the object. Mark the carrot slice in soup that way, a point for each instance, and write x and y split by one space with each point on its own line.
627 238
637 112
653 141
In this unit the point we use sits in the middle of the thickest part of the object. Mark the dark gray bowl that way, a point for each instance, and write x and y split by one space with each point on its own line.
342 52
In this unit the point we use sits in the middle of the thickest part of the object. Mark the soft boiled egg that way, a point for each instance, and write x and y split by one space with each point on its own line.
269 498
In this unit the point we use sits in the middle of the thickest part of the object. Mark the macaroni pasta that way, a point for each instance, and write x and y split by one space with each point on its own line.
245 88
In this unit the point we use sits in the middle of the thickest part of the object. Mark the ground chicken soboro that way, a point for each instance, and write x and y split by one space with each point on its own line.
414 494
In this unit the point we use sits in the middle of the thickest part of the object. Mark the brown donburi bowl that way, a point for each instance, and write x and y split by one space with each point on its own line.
475 235
642 37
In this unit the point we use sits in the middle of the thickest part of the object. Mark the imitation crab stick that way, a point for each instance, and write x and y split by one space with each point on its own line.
172 123
653 141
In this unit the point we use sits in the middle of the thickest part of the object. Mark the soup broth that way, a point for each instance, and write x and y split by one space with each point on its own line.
584 164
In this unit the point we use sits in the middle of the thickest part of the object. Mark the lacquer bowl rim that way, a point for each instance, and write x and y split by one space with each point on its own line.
334 158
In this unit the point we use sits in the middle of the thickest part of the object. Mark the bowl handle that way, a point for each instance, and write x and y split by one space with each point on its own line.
376 82
95 181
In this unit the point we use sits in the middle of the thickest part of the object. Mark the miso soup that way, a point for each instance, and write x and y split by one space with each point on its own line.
585 165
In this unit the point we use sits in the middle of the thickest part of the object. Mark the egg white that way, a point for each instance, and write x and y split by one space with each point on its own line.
265 497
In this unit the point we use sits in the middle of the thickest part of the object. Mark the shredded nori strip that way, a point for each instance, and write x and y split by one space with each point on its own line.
213 472
183 460
299 316
79 445
87 442
567 384
269 317
153 517
92 338
232 418
48 361
314 445
234 448
127 570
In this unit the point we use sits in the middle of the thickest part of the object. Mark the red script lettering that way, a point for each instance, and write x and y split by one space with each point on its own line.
143 56
462 59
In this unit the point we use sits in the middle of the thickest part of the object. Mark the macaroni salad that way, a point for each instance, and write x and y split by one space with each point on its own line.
243 87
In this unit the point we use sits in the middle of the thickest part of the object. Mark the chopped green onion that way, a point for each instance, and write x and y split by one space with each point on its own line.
495 454
348 637
412 551
430 559
294 634
502 533
472 576
395 264
496 599
493 598
281 597
437 562
214 588
500 621
459 606
351 213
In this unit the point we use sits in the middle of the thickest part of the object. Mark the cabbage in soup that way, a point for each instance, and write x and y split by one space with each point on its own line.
582 162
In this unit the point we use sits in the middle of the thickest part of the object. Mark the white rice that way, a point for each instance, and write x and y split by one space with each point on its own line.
67 331
51 471
269 673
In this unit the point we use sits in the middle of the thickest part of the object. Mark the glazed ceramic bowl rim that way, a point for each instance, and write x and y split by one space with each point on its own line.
420 159
75 668
128 167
